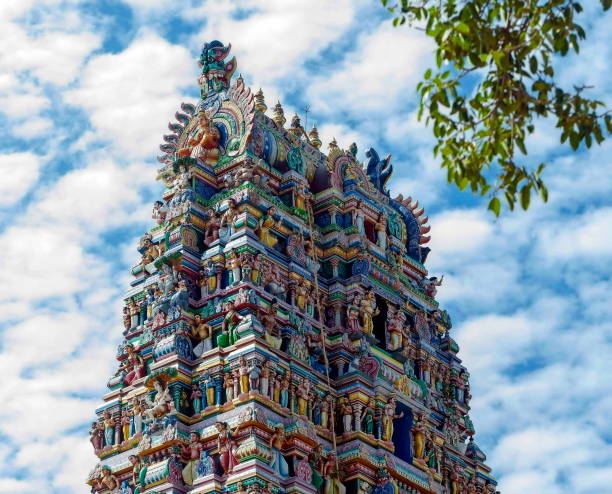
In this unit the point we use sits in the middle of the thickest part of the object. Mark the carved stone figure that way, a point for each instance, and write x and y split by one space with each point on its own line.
228 218
230 323
254 376
139 473
264 227
96 433
431 285
276 444
346 412
159 212
388 417
162 403
418 431
226 446
367 310
204 144
108 481
396 320
190 454
203 332
109 429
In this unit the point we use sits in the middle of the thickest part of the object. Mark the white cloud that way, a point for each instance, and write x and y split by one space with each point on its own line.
131 95
53 57
13 486
589 234
33 127
458 231
19 104
379 76
278 35
19 172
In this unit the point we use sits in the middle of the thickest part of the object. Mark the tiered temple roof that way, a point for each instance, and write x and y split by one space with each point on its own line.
281 330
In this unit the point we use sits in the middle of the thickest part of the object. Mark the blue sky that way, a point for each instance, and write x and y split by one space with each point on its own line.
86 91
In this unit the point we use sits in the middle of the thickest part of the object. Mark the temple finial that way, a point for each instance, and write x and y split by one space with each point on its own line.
279 115
313 135
260 102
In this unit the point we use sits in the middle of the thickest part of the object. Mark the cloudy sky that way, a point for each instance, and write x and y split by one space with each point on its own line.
86 91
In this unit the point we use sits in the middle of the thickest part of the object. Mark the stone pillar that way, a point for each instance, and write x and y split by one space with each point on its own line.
334 263
357 409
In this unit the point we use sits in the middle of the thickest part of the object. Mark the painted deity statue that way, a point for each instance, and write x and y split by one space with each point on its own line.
331 474
243 372
230 323
213 225
368 309
203 332
109 429
264 228
190 454
387 419
228 385
97 435
395 326
352 315
367 417
134 365
431 285
108 481
150 253
303 396
346 412
162 402
228 218
276 444
418 431
138 410
205 142
139 472
226 446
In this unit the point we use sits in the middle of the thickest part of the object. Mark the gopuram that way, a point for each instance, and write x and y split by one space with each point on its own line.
281 333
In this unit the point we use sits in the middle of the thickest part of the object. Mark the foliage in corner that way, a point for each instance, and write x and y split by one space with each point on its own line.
494 77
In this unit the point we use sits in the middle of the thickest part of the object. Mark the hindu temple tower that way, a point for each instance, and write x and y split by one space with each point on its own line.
281 333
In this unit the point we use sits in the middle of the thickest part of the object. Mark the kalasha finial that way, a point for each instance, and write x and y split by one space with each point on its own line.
260 102
313 135
279 115
333 144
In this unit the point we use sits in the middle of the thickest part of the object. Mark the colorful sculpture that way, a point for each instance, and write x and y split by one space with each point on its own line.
281 290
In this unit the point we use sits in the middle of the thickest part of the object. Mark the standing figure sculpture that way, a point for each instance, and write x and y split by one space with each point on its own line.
387 419
190 454
226 446
264 227
276 444
368 310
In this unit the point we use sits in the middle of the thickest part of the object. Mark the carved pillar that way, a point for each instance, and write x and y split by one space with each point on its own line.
219 275
357 409
333 211
334 263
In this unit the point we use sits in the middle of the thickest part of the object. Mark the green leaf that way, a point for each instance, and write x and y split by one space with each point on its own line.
495 206
525 196
462 27
533 64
